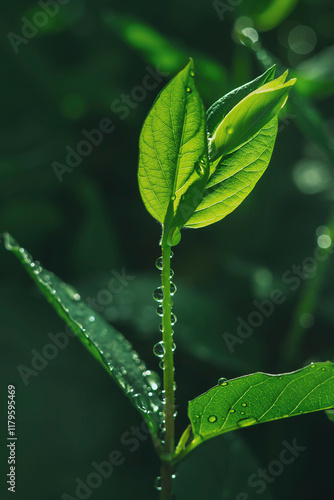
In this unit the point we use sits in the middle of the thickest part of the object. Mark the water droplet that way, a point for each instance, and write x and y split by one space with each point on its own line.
141 403
212 419
232 411
158 294
280 378
221 380
160 311
173 319
159 349
323 369
91 319
158 263
161 435
76 297
162 397
244 422
161 328
229 130
224 384
46 278
173 346
171 273
53 292
173 197
242 413
173 477
244 404
158 484
162 365
173 288
175 414
188 89
192 73
153 379
312 365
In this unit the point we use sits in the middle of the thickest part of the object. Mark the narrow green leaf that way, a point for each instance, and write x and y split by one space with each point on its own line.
260 397
105 343
173 164
233 177
247 118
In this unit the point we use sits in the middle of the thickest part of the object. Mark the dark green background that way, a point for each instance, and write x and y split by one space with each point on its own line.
64 80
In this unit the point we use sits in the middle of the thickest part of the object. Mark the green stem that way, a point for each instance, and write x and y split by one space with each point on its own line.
168 375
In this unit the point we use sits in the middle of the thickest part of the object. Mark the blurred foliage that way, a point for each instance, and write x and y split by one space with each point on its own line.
78 69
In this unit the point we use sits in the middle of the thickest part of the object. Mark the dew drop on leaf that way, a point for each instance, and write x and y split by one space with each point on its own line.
242 413
222 380
158 294
173 197
161 327
244 422
153 379
232 411
141 403
212 419
91 319
192 73
229 130
244 404
171 273
159 349
188 89
224 384
173 288
162 365
173 346
323 369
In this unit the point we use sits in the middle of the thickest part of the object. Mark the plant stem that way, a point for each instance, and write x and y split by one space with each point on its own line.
168 376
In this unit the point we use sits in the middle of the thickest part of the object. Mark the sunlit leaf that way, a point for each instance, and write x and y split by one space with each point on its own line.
173 164
248 117
259 398
105 343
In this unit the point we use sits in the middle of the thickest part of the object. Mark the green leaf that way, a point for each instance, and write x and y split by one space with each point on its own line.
173 163
260 397
250 114
234 177
217 112
105 343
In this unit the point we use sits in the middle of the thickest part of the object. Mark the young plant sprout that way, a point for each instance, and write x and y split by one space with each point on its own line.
195 168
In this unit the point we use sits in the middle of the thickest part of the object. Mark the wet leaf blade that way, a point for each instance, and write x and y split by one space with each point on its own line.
172 143
103 341
261 397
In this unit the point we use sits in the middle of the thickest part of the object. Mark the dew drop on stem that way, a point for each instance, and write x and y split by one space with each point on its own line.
158 294
160 310
159 264
159 349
